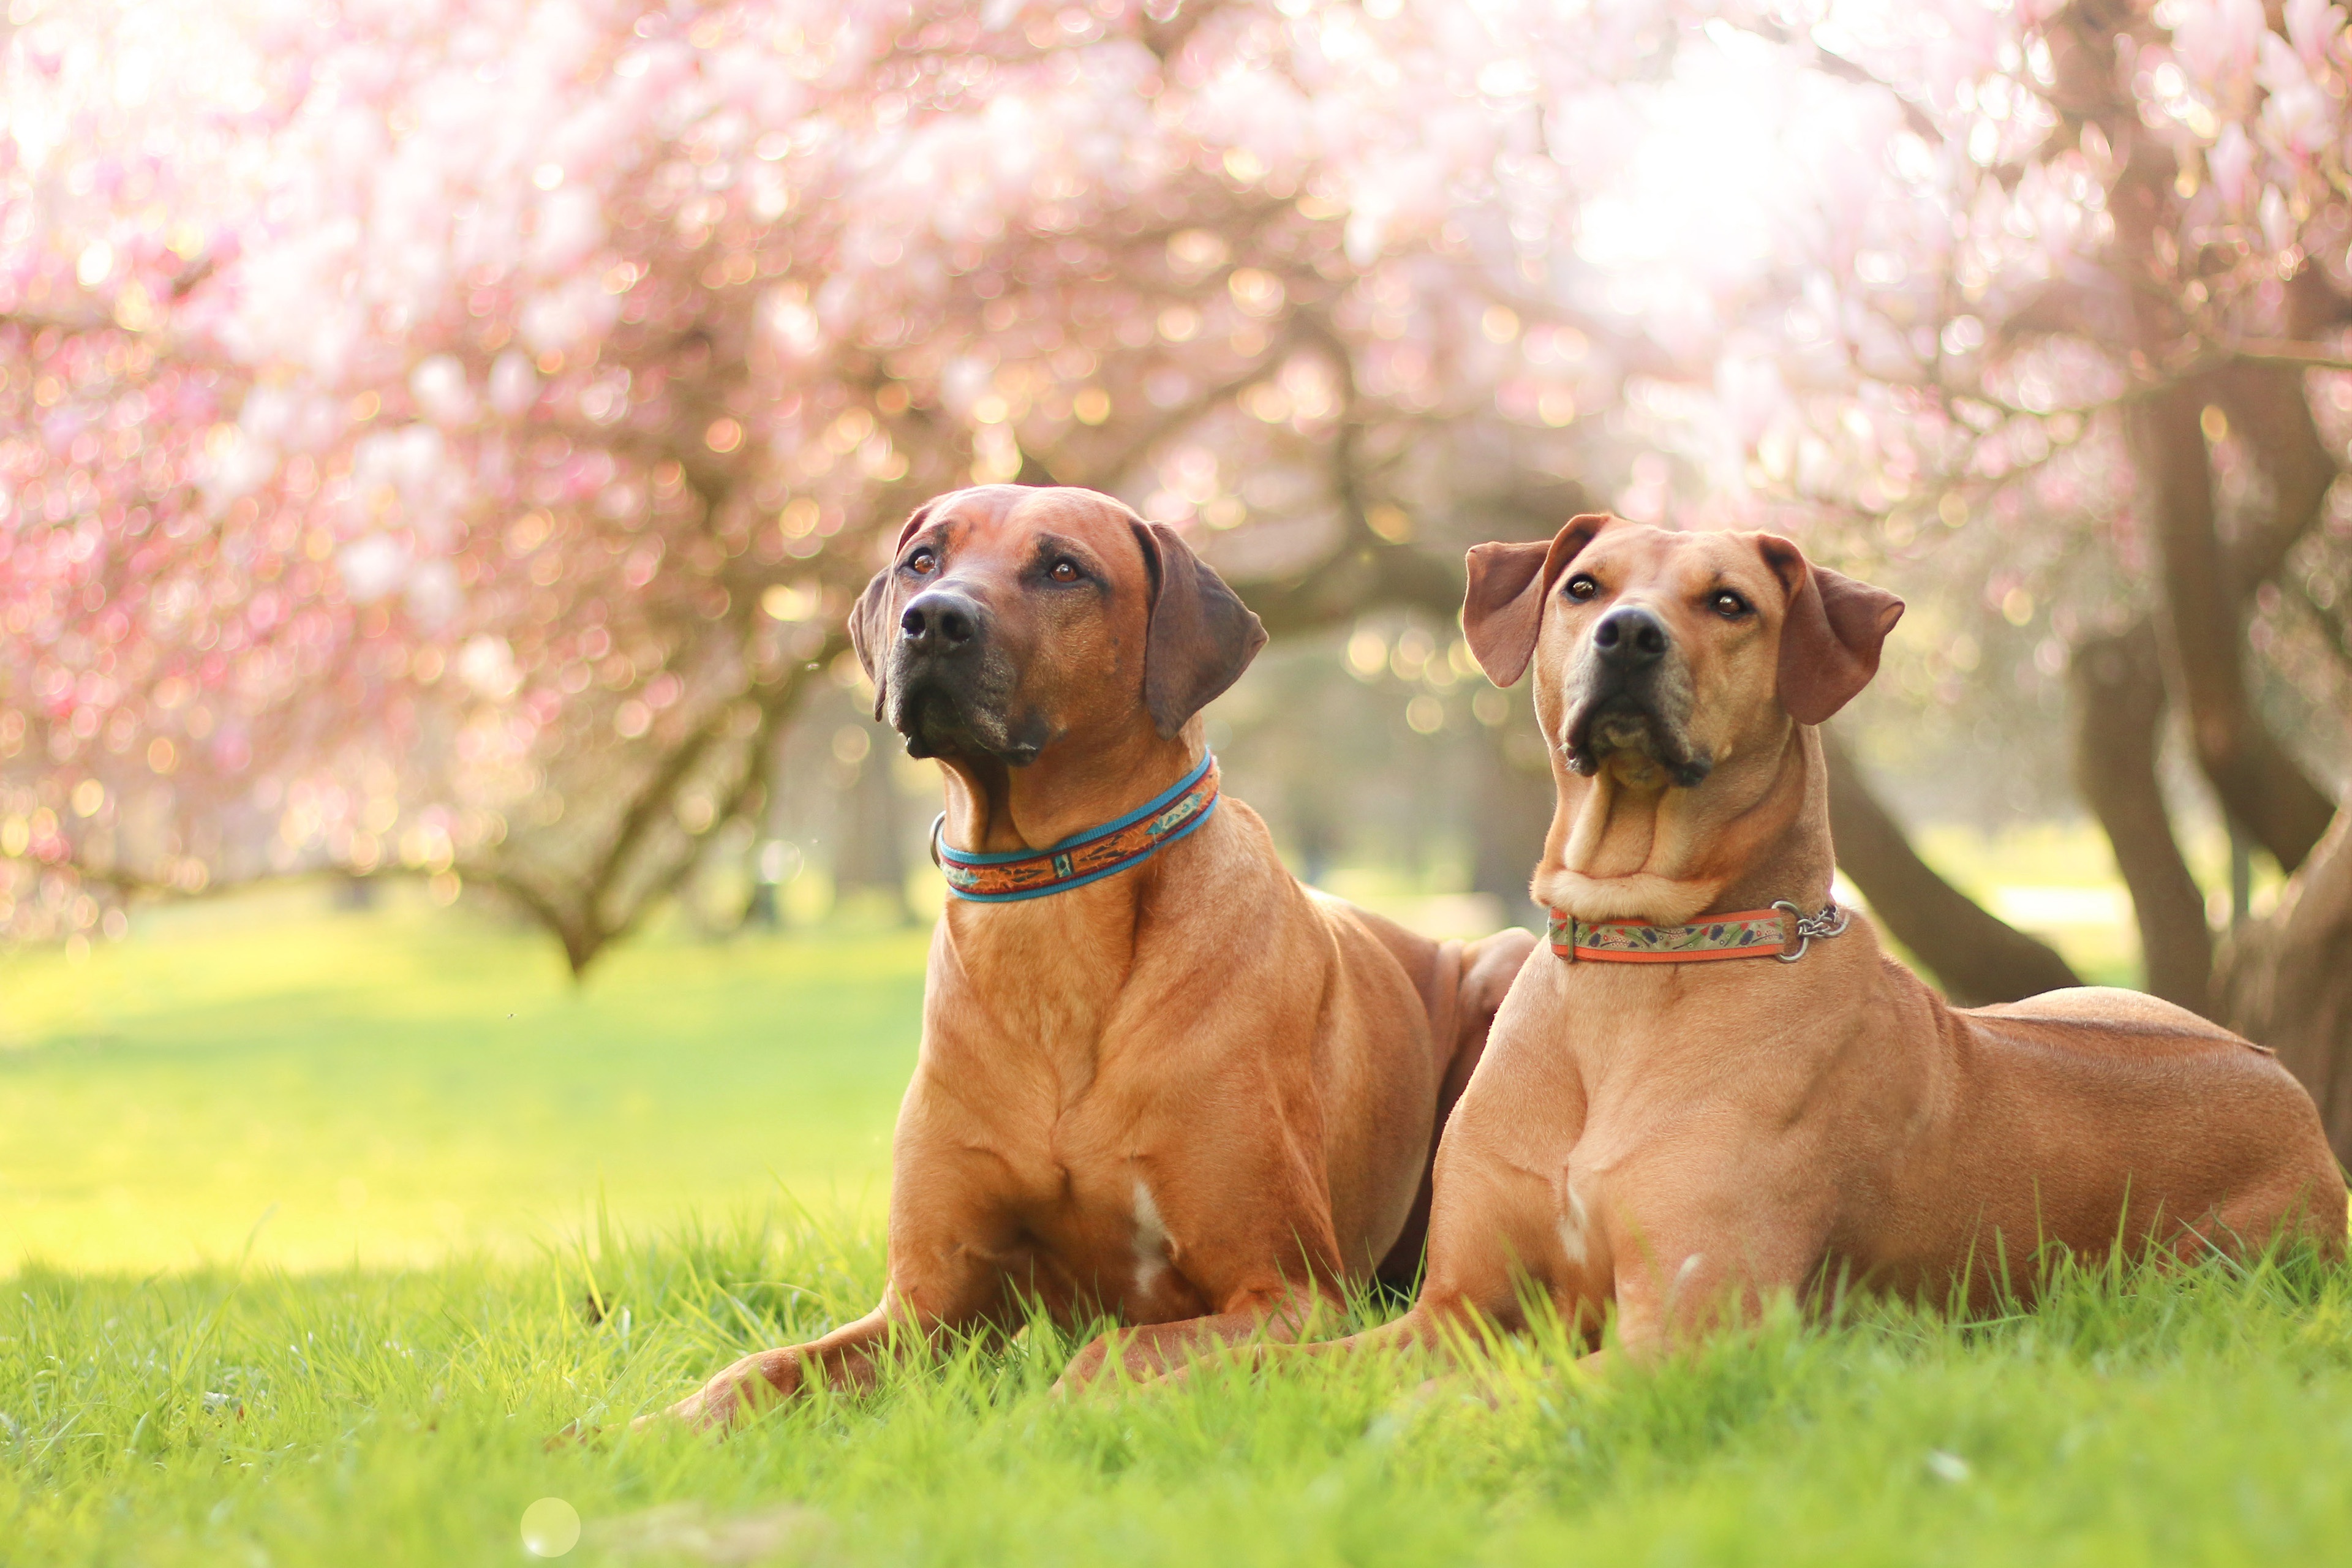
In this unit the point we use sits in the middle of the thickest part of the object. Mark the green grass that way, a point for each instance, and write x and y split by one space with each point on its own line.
388 1086
372 1382
397 1418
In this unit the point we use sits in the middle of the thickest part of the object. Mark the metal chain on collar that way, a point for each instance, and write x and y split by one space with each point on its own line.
1832 922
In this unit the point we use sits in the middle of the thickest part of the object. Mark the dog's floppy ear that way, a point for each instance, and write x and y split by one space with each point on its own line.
1201 635
870 617
1831 638
1502 612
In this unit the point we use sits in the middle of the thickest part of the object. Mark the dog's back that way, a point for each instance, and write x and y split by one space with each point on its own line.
2064 1110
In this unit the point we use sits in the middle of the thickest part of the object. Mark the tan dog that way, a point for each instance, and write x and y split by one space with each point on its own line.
1678 1140
1193 1093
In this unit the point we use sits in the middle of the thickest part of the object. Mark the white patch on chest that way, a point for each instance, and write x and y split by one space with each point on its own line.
1151 1241
1573 1220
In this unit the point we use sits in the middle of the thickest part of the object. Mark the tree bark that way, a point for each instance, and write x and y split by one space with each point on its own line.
2258 784
2119 694
2285 982
2270 405
1980 958
1358 577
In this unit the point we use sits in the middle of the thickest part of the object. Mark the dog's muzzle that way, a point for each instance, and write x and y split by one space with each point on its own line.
1633 698
950 685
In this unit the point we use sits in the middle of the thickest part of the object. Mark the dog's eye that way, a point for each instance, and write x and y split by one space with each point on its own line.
1581 587
923 562
1727 605
1064 572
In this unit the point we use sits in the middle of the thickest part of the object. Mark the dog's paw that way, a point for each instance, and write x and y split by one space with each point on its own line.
711 1408
1086 1368
578 1435
752 1385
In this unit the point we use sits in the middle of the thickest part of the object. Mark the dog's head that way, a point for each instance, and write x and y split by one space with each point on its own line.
1661 655
1010 618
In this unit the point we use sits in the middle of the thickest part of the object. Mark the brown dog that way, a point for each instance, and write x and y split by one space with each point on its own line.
1191 1093
1678 1140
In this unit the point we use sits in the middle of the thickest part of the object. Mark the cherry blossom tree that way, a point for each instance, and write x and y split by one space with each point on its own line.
447 437
505 406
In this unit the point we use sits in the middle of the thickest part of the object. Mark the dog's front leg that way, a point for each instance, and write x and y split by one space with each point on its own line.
1437 1332
938 1280
1280 1316
843 1359
1681 1277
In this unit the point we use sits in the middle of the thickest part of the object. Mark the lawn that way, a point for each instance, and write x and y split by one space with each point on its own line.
322 1223
330 1088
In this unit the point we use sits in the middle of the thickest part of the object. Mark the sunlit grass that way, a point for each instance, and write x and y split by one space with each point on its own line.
388 1086
182 1381
395 1418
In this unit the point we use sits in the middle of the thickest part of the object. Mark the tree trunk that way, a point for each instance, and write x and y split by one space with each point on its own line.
1979 958
2118 685
2286 981
2270 405
2258 784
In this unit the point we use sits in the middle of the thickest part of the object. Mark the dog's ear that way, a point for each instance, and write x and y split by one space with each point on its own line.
1502 612
1201 635
1831 635
870 617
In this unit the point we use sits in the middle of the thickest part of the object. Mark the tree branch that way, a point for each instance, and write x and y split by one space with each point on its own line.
2267 404
2118 702
1980 958
1914 115
2260 784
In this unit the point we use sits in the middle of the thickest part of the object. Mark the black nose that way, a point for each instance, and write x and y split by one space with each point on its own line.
939 622
1631 637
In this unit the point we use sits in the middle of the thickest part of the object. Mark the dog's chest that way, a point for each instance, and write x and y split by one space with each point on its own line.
1075 1159
1111 1241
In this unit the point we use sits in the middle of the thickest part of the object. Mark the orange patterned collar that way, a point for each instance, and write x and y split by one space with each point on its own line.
1082 858
1782 932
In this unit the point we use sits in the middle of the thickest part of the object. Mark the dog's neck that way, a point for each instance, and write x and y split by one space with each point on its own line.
1079 782
1628 843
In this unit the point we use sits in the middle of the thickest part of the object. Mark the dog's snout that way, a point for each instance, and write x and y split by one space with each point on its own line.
1631 637
939 622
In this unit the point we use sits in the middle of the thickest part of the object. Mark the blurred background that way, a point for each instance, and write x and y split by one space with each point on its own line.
439 445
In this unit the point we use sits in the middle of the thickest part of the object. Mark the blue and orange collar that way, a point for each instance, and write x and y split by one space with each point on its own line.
1083 858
